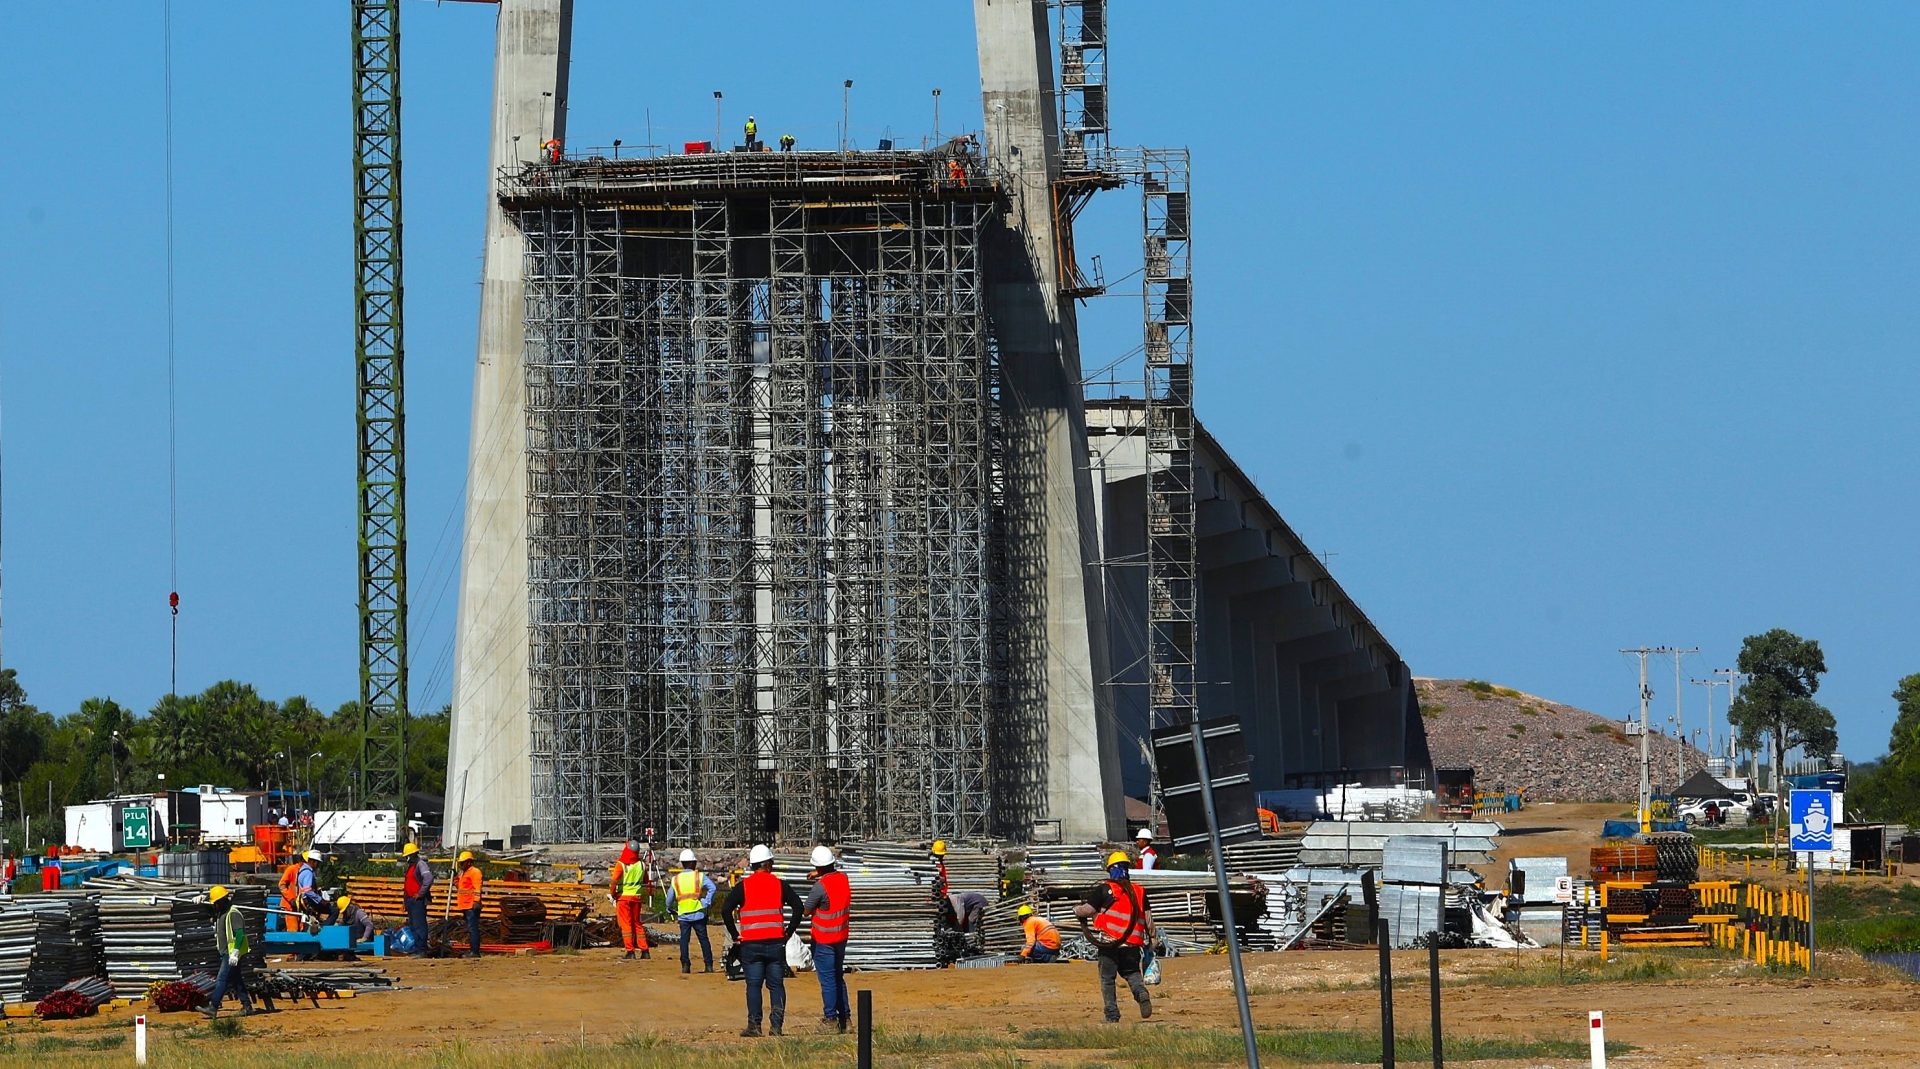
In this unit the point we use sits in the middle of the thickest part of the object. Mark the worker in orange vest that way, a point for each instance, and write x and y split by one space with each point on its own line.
761 933
1043 939
290 895
467 901
627 886
1121 926
550 150
829 905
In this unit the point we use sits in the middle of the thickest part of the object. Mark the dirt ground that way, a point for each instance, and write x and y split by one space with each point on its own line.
1708 1013
1863 1017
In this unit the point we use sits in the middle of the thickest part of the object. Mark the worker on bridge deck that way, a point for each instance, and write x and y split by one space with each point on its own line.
830 905
786 142
761 933
628 889
753 134
1043 939
467 901
550 150
693 893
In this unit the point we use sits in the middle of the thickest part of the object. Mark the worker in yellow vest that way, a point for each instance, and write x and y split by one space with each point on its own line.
693 892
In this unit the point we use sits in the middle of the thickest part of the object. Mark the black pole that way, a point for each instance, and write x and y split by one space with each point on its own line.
1226 899
1386 993
863 1014
1433 995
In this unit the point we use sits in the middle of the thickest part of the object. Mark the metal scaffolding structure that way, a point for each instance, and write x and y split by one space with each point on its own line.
1083 84
762 497
1172 554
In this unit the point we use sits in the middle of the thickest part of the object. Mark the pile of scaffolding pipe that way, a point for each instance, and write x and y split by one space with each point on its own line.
46 941
892 918
153 929
1348 802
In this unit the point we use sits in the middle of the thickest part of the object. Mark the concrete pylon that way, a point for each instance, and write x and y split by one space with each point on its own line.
1059 668
488 779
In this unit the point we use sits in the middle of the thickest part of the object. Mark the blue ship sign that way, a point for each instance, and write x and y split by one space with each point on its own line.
1811 816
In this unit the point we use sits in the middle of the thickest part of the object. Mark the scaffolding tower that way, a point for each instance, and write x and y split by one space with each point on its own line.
761 497
1083 84
1172 554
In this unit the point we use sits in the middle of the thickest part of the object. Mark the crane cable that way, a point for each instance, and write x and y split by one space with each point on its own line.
173 481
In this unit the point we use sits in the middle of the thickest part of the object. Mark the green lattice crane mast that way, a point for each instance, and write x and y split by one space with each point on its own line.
379 363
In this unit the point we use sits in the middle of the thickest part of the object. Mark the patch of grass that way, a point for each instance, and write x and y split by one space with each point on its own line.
1431 709
1529 710
1868 918
1518 729
1508 692
224 1027
1559 734
1599 729
1158 1049
1479 686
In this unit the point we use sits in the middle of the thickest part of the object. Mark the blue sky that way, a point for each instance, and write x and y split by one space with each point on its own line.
1564 328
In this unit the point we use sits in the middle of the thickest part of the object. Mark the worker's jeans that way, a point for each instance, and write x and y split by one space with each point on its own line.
688 930
229 980
830 962
473 931
1042 955
766 963
1125 963
417 924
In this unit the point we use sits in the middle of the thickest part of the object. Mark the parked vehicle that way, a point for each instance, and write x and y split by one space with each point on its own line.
1695 812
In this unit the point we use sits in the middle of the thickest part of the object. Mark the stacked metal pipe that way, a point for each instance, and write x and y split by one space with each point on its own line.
154 929
46 941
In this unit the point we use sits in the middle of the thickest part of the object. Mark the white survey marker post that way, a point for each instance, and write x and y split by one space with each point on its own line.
1597 1039
140 1039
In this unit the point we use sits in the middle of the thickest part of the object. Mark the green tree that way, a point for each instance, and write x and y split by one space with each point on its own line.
1903 744
1784 673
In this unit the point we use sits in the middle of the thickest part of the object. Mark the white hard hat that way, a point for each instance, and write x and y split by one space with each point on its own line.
822 856
687 858
310 856
1143 833
759 854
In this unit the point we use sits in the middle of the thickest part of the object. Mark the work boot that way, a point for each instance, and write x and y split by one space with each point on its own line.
840 1025
687 967
709 967
1146 1008
751 1031
210 1012
628 956
645 954
776 1028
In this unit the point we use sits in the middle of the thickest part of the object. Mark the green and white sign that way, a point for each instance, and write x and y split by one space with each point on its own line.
136 827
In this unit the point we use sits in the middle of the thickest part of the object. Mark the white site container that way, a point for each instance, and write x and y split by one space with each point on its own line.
90 826
356 827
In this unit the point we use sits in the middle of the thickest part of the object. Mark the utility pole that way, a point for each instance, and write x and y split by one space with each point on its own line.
1713 747
1732 683
1646 780
1679 731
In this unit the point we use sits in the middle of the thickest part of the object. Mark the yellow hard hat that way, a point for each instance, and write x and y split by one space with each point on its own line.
344 901
939 848
215 894
465 855
1023 911
1119 857
409 850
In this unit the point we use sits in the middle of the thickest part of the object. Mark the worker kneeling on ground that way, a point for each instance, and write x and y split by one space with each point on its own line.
1043 939
467 898
230 935
693 892
628 889
360 927
762 933
830 904
1120 927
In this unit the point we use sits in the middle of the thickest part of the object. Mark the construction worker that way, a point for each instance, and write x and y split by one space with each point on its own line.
1043 939
762 934
360 926
956 171
1149 857
628 889
417 886
467 885
307 886
753 132
829 905
786 142
550 150
693 892
1121 926
966 911
230 935
290 895
938 853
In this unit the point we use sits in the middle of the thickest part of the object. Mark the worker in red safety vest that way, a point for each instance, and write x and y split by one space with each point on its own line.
938 853
550 150
628 889
418 888
760 932
1121 926
830 905
1149 857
